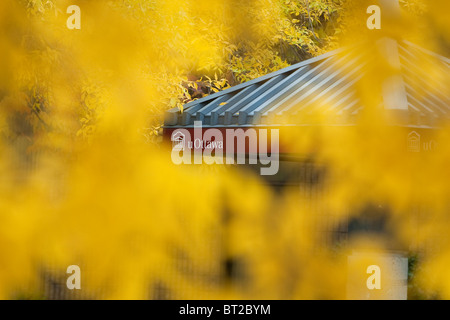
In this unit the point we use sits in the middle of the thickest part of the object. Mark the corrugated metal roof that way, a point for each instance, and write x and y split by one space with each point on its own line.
327 83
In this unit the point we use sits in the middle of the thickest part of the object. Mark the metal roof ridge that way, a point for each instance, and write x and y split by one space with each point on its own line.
429 52
267 76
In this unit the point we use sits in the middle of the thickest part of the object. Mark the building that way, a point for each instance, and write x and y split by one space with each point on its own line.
329 84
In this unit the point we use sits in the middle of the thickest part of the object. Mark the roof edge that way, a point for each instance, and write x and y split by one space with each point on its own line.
264 77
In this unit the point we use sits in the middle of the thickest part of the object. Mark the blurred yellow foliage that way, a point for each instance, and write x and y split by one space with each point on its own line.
79 184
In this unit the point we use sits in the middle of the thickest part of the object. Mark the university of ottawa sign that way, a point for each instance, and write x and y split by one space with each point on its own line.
420 142
262 145
200 145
